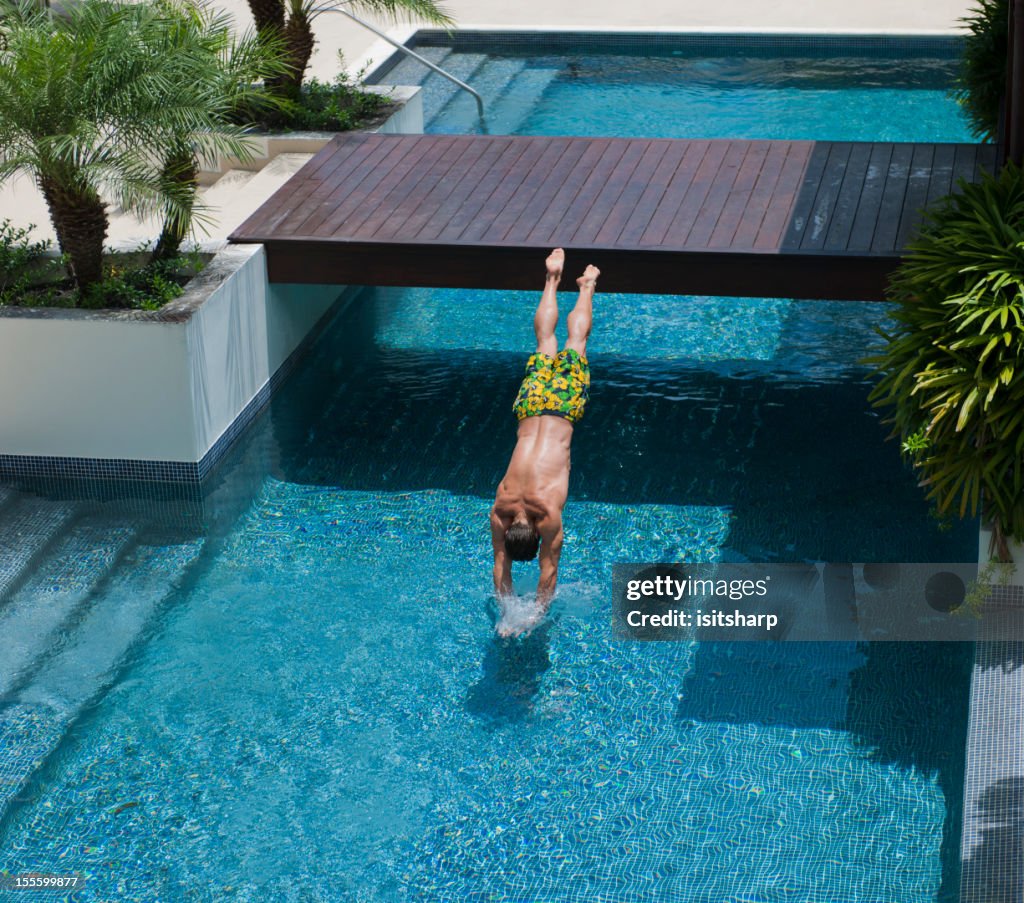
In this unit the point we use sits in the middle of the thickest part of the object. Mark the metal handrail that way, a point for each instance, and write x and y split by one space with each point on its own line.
407 51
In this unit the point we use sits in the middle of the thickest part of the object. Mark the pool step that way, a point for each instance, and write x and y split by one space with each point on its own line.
460 113
38 613
506 115
240 197
437 91
35 719
6 496
225 188
409 71
27 526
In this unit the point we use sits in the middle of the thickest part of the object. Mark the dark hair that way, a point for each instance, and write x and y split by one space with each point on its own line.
522 542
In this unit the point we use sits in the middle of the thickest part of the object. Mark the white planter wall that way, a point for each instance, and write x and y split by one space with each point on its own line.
94 387
161 386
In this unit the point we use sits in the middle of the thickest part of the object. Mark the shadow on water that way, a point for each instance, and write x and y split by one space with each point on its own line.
994 872
792 459
908 706
1004 656
512 673
905 704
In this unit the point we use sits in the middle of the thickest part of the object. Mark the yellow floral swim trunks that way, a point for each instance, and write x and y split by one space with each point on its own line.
558 385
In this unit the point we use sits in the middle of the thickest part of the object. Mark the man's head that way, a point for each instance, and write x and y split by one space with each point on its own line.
522 540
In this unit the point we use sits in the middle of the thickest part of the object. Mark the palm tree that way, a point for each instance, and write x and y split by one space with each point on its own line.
225 71
86 99
291 21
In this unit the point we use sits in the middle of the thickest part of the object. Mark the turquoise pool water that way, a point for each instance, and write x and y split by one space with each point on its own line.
658 92
301 697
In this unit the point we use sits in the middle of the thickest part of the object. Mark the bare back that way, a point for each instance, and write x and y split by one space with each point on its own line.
538 473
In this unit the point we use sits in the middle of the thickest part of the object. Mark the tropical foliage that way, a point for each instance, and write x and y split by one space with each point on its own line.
226 73
320 107
981 83
114 100
289 23
952 366
20 258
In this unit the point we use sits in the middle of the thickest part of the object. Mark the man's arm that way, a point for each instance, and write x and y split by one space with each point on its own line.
550 549
502 563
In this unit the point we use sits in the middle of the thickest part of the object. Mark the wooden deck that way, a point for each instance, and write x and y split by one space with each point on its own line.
792 219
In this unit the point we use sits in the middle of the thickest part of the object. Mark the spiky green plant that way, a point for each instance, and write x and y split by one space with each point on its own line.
93 104
222 72
981 81
952 366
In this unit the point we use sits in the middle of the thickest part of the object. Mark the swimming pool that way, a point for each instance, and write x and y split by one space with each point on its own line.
659 86
317 708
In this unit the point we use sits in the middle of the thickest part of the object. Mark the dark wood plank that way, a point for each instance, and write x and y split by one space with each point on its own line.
571 170
826 198
590 221
675 191
290 208
736 203
493 185
917 193
940 183
504 209
610 233
578 195
338 154
760 196
446 180
964 163
470 183
848 200
693 227
672 231
337 194
986 160
866 216
654 190
388 195
800 218
422 183
891 206
780 214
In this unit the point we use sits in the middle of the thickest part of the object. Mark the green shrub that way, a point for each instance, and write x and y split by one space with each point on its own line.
337 106
20 260
332 106
30 277
952 368
146 287
981 82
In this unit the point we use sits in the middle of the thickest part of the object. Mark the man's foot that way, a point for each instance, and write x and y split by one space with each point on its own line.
555 262
589 278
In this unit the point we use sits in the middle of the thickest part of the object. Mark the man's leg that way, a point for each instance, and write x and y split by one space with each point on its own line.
582 315
546 318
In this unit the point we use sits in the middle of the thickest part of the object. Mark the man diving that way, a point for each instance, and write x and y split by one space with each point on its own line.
527 511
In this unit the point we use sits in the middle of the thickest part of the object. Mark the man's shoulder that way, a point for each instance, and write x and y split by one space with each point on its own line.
547 514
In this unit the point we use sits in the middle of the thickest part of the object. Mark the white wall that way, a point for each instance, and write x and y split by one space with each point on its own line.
98 386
